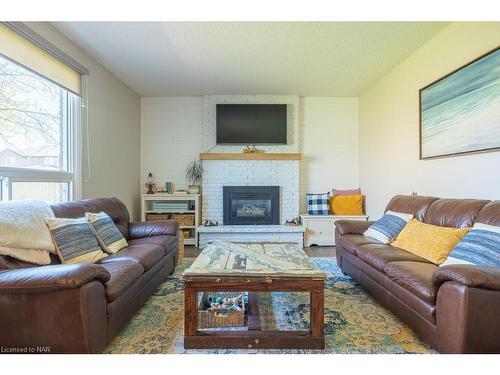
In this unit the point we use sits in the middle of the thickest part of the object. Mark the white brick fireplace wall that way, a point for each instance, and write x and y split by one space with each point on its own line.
219 173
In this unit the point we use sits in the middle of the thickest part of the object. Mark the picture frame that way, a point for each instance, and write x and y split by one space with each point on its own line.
459 113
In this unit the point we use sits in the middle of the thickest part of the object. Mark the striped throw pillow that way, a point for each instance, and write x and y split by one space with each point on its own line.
109 236
387 228
481 246
318 204
75 240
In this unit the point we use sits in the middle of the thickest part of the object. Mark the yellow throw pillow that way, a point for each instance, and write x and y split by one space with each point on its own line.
430 242
346 205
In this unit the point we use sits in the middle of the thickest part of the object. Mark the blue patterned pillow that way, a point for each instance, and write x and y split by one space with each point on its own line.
481 246
318 204
387 228
108 235
74 240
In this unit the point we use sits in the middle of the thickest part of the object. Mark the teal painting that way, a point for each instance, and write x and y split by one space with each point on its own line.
460 113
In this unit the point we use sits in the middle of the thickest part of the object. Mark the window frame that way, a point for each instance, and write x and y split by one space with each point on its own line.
72 147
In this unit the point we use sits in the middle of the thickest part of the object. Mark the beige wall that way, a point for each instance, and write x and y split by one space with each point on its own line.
389 126
114 128
328 141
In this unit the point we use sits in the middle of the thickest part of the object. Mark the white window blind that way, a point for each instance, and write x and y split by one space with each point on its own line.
23 51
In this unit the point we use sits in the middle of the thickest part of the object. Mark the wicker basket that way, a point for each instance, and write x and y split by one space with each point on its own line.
220 317
187 233
180 256
150 217
184 219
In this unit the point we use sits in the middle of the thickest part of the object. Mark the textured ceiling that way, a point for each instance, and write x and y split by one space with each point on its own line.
195 58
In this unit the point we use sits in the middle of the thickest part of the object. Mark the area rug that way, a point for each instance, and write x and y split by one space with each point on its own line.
354 321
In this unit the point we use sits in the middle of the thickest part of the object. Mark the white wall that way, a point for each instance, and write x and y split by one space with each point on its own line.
327 135
114 128
329 143
171 137
389 126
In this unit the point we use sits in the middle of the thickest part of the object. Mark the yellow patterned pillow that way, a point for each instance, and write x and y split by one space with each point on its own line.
430 242
346 205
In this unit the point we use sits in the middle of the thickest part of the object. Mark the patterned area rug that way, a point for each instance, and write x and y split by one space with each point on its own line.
354 322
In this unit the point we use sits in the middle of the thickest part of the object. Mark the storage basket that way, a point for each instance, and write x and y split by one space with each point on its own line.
220 317
187 233
150 217
184 219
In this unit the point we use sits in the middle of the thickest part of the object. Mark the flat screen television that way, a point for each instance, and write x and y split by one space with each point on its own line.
251 123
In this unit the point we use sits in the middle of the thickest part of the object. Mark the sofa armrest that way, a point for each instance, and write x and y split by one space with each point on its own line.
352 226
153 228
487 277
50 278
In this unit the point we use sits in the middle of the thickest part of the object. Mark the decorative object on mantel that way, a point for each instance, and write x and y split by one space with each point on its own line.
194 173
293 222
210 223
251 149
150 185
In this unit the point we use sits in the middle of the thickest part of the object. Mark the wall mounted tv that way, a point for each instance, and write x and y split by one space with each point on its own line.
251 123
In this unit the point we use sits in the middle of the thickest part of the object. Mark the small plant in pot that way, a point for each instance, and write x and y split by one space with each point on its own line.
194 173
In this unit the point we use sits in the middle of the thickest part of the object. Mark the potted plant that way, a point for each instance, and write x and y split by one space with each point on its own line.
194 172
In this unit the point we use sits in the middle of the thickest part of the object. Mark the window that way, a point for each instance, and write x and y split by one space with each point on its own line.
40 115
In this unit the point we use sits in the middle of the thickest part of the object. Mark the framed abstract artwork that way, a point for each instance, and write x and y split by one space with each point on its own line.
460 112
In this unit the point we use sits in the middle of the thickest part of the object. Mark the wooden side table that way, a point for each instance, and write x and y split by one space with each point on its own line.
320 229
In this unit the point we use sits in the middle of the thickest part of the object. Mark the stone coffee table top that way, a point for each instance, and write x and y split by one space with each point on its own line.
253 259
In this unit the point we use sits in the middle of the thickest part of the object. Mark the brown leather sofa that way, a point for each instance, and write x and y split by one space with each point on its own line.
454 308
80 308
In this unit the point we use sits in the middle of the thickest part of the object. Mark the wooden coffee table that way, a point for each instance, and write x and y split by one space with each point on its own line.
253 267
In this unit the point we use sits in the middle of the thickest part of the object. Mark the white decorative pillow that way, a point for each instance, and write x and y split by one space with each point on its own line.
387 228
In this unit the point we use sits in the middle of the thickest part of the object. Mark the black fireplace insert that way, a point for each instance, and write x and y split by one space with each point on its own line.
245 205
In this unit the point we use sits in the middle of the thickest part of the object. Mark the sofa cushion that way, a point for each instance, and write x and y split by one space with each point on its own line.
123 274
416 205
351 242
112 206
454 213
168 242
379 255
146 255
415 277
490 214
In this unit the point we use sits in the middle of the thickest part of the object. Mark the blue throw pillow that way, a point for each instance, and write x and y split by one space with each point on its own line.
481 246
387 228
318 204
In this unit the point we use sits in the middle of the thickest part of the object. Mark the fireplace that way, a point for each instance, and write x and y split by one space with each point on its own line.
245 205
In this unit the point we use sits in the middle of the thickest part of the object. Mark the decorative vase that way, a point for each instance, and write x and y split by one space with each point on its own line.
194 189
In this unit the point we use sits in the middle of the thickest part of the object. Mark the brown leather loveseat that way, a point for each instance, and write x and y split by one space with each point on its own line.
79 308
455 308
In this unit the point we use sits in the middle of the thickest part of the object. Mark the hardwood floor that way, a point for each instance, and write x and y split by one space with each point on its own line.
313 251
